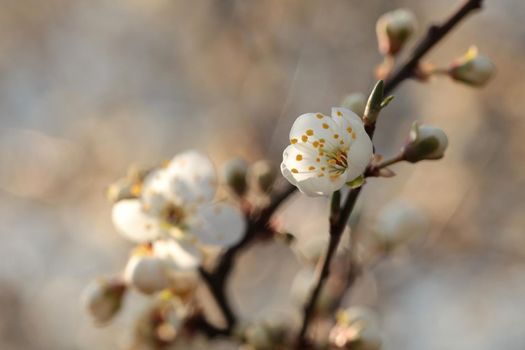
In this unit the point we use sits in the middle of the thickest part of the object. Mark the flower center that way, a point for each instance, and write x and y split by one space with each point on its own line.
173 214
338 161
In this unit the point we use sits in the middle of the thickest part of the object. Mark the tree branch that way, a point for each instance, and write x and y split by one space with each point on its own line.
434 34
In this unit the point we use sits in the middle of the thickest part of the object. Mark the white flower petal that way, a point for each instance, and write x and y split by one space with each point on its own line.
218 224
194 177
184 254
149 274
360 154
133 223
312 127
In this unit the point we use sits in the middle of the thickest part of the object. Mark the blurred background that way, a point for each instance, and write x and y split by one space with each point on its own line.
89 87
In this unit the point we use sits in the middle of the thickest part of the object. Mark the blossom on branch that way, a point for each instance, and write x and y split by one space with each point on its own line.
326 152
177 201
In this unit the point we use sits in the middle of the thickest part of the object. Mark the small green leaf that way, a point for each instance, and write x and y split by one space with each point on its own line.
357 182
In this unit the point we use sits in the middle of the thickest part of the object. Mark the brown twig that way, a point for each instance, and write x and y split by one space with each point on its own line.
217 279
434 35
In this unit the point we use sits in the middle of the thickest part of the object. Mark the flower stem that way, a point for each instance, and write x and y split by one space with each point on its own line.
337 225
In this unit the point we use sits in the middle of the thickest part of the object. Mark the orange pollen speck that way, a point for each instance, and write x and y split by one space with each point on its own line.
304 138
349 129
311 168
318 160
299 157
325 126
342 142
353 135
319 116
339 113
309 132
315 144
322 140
295 171
336 136
293 141
323 168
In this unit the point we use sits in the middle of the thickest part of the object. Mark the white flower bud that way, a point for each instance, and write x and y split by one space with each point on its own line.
356 329
425 142
149 274
302 287
394 29
103 298
355 102
398 222
263 175
234 172
473 68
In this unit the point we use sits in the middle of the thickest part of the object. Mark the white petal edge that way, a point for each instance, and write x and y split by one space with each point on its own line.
133 223
218 224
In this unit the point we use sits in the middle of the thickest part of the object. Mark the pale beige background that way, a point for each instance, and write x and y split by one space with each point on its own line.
88 87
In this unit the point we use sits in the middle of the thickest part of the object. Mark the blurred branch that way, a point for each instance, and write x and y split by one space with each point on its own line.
217 279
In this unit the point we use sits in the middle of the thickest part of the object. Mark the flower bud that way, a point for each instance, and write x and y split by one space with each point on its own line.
234 172
356 329
103 298
355 102
425 142
394 29
263 175
149 274
397 222
473 68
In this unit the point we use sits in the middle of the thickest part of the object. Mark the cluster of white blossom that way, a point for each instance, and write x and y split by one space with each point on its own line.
173 215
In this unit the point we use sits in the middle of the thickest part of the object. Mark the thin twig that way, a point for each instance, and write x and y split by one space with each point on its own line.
434 34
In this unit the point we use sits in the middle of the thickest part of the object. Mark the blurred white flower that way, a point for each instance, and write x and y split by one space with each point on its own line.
399 221
473 68
326 152
177 201
357 329
167 264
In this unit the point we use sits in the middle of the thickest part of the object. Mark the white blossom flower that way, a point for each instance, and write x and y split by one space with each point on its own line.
177 201
326 152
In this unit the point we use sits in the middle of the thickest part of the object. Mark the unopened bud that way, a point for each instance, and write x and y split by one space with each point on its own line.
149 274
394 29
263 175
398 222
425 142
234 172
356 329
473 68
355 102
103 298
